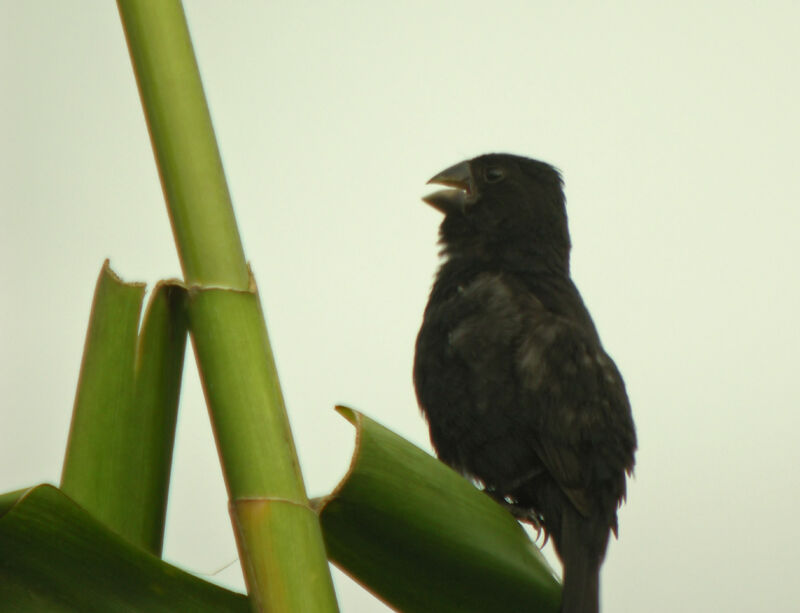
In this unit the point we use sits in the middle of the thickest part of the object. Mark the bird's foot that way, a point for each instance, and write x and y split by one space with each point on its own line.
521 513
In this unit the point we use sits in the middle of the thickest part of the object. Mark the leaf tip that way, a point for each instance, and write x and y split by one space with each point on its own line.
349 414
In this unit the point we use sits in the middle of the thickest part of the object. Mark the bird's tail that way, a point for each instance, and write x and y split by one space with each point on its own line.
581 593
583 545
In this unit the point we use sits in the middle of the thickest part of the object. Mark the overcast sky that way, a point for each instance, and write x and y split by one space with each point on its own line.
675 126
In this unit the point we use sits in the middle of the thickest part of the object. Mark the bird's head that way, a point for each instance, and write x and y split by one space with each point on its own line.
496 202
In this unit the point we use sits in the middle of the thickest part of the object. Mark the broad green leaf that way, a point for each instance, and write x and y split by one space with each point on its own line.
56 558
424 539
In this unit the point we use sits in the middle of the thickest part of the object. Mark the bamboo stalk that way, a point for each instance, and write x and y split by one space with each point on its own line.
282 552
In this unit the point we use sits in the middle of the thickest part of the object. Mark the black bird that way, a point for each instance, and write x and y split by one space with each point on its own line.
509 369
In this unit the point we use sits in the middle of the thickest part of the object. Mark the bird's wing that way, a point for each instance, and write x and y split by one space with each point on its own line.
578 401
568 397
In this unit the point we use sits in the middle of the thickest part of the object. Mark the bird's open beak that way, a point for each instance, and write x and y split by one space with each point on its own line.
447 200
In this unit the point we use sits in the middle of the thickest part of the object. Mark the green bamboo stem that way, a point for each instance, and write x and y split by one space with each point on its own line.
241 386
184 144
279 538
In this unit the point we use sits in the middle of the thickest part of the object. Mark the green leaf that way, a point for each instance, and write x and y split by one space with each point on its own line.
119 452
55 557
424 539
159 367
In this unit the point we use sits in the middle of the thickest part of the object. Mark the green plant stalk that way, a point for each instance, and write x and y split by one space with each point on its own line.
119 451
285 529
189 164
250 419
231 344
279 538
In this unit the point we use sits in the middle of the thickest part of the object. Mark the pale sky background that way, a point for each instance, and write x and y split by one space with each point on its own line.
675 125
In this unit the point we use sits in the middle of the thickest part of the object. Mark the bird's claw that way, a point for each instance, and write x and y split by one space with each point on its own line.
521 513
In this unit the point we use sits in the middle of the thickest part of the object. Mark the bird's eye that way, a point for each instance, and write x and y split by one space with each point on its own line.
493 174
